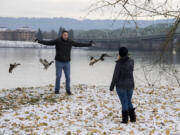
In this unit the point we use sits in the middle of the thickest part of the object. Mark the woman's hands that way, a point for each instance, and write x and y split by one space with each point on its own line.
112 93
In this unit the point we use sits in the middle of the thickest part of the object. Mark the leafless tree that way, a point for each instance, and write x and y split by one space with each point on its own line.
145 9
138 8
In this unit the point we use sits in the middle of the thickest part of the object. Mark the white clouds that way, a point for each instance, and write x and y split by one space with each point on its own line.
44 8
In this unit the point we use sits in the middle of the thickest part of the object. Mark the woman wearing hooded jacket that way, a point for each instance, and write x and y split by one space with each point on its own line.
124 81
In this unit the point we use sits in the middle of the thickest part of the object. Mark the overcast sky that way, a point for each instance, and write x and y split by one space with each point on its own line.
52 8
47 8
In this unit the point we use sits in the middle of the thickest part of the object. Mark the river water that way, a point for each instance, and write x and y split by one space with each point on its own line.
31 72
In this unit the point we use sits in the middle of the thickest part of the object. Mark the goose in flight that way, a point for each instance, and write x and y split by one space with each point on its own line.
45 63
13 66
93 60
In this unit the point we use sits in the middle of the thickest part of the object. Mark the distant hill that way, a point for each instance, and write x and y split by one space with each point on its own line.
47 24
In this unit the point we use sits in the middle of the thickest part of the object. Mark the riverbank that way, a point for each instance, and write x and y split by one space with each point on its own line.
90 110
31 44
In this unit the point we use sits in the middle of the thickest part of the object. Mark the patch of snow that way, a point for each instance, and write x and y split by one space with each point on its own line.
21 44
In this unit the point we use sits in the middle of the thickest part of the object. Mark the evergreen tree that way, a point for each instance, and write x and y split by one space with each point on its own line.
61 29
71 34
39 34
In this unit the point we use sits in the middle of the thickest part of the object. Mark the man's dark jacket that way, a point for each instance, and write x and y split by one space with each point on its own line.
123 74
63 48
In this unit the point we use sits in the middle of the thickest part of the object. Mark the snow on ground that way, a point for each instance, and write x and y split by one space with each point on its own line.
20 44
90 110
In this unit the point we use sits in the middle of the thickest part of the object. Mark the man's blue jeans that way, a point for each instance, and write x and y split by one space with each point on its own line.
125 96
59 67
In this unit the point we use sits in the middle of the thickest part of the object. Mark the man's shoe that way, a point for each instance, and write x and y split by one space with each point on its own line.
124 117
56 92
69 92
132 115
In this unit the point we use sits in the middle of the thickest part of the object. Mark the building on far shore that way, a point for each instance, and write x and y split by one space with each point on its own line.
20 34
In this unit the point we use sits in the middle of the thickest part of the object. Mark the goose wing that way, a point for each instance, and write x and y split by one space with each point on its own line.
45 61
104 55
51 62
93 61
17 64
11 67
42 62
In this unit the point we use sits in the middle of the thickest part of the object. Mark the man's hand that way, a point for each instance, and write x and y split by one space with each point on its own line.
36 40
92 43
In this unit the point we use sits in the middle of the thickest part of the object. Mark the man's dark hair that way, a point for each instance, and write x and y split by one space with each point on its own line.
64 31
123 51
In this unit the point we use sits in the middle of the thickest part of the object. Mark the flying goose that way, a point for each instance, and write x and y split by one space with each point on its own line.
93 60
13 66
45 63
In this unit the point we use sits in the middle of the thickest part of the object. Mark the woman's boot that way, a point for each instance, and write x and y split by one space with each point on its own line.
124 117
132 115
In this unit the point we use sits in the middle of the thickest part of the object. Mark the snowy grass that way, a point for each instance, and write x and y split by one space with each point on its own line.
90 110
